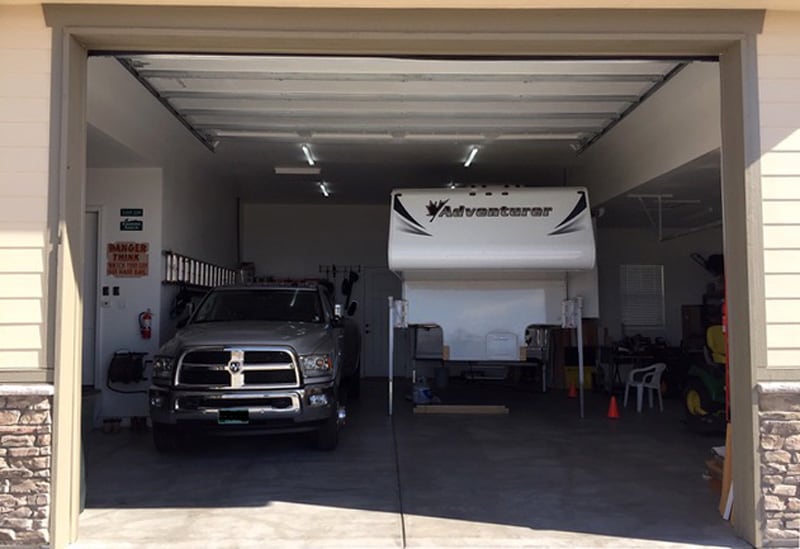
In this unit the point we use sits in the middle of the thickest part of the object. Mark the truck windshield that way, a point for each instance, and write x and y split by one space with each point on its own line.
292 305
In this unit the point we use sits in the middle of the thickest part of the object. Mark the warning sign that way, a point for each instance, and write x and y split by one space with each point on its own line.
128 259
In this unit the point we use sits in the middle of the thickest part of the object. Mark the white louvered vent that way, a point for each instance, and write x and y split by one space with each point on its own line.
642 293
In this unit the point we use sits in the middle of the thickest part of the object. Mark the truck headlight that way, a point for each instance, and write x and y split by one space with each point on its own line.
316 365
162 370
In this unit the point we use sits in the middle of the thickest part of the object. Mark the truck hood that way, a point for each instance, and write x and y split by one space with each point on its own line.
302 337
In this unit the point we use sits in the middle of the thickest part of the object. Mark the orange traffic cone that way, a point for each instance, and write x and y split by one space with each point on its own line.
572 392
613 411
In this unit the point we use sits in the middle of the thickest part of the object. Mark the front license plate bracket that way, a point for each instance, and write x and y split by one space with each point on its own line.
233 417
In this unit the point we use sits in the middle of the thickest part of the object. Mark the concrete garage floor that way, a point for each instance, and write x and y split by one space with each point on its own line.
538 477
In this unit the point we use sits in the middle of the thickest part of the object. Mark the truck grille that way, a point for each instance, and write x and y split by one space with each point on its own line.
238 368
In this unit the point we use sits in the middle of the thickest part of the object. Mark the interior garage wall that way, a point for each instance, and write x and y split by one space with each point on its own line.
684 280
199 202
677 124
292 241
117 320
25 46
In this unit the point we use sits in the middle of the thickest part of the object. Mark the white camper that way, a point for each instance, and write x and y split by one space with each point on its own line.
484 263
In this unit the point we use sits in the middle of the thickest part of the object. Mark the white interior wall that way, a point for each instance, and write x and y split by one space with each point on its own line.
199 202
678 123
292 241
684 280
117 320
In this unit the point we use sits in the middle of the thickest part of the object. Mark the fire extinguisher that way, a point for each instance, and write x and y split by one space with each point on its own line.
145 322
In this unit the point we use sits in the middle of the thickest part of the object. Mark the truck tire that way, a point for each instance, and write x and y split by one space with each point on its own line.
165 440
327 436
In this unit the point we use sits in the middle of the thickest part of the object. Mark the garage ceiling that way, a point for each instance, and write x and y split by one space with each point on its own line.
374 123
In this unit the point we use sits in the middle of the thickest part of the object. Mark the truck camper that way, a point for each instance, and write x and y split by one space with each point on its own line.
485 263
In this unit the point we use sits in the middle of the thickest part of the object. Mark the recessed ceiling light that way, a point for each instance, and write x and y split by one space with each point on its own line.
307 152
471 157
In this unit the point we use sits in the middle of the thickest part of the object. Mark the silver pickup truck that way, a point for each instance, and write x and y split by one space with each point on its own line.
257 359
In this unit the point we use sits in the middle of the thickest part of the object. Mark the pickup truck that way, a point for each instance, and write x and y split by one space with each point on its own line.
257 359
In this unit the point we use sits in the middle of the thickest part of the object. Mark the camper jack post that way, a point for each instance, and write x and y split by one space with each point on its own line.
391 353
572 317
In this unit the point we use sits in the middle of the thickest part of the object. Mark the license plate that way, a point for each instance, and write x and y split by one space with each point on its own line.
233 417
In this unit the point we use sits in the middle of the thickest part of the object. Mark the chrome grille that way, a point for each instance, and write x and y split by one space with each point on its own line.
238 368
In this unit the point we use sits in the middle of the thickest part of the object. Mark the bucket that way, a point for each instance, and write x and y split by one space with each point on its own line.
571 376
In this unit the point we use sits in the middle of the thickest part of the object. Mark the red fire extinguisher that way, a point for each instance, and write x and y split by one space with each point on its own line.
145 322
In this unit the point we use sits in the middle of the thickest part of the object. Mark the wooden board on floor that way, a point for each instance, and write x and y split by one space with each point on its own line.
726 494
459 409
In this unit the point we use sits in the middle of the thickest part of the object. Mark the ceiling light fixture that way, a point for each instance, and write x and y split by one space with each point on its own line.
297 170
324 188
307 152
471 157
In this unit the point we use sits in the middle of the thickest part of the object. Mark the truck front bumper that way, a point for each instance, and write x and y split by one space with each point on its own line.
238 411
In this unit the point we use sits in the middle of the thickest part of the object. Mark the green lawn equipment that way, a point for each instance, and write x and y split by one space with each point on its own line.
704 392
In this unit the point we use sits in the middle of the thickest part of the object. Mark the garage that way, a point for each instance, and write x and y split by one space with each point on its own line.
290 163
276 152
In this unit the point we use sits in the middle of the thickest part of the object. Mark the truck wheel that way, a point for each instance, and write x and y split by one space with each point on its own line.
165 439
327 437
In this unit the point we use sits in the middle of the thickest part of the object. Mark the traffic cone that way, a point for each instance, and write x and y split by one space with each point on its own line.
613 411
572 392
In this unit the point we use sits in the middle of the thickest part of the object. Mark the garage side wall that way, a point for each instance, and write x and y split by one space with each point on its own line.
199 203
779 399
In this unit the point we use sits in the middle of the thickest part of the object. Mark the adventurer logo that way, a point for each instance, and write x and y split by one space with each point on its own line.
436 209
441 209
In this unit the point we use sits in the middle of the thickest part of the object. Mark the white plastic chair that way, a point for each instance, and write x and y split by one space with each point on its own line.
648 378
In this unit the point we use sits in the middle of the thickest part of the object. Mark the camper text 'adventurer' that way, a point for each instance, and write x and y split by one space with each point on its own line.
441 209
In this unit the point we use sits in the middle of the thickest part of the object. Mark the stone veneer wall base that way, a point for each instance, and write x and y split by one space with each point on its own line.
25 450
779 448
